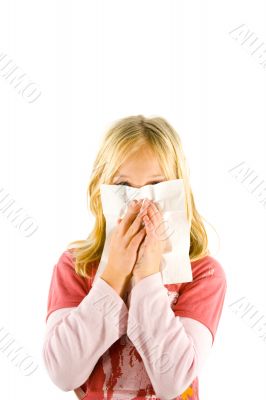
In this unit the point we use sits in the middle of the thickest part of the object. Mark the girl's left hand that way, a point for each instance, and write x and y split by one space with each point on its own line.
151 249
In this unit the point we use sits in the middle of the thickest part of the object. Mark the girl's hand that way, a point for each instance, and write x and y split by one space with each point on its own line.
124 244
154 244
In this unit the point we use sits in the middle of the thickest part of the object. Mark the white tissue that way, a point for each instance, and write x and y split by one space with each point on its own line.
169 195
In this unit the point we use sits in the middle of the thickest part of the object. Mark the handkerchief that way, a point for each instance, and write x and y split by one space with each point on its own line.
169 196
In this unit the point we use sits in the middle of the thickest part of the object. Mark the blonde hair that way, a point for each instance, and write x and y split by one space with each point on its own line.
122 139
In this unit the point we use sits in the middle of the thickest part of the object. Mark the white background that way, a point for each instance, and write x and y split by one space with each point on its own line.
95 62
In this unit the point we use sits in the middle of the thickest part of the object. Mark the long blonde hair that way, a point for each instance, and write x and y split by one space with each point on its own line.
122 139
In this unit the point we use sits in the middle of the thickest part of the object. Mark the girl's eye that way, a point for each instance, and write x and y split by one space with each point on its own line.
127 184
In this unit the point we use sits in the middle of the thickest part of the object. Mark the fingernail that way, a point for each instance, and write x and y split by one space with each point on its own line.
144 204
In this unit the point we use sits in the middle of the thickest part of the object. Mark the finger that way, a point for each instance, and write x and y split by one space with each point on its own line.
151 213
156 217
136 240
131 214
150 230
141 251
144 208
133 225
148 223
154 214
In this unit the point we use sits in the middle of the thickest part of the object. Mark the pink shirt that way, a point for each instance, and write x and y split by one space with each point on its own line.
150 346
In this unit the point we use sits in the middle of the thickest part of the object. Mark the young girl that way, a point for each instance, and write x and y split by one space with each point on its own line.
97 342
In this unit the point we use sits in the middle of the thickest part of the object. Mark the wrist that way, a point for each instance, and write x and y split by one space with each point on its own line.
117 281
140 277
111 272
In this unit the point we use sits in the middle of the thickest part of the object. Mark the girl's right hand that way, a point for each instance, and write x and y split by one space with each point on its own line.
125 241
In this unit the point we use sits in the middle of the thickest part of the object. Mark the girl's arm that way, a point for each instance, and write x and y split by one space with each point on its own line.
173 348
76 337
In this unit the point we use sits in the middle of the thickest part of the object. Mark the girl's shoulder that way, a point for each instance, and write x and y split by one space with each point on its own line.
207 266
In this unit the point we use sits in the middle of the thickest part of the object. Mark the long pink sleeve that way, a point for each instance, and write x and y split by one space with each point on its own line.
73 344
170 351
154 346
